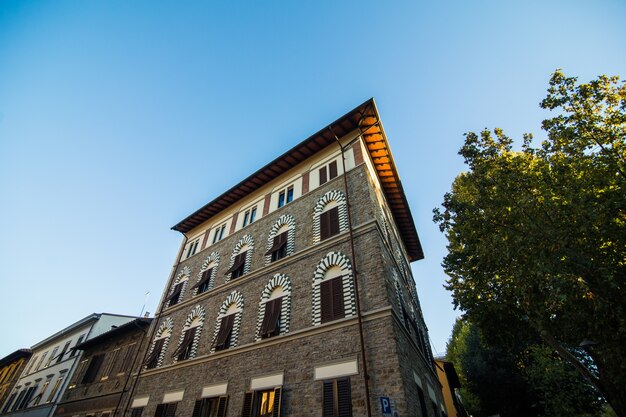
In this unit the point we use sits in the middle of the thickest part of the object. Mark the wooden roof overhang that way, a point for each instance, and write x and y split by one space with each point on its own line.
365 118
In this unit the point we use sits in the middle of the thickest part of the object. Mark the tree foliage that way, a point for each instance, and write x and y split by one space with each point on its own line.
537 236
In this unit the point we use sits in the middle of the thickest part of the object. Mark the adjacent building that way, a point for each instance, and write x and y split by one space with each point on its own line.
451 386
105 372
292 293
11 366
53 361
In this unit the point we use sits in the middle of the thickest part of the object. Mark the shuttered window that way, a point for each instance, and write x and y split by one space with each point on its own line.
332 170
331 299
203 284
266 403
93 368
329 223
174 297
166 410
337 401
136 412
210 407
323 176
271 321
239 264
420 392
153 359
279 247
222 341
184 350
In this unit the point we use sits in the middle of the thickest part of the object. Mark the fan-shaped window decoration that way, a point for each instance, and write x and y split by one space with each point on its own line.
206 276
333 289
274 308
241 259
190 337
330 215
281 239
159 346
228 323
179 286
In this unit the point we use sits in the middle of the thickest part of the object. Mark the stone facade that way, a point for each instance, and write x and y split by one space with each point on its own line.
310 353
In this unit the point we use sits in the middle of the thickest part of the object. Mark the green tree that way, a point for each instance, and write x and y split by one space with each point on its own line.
537 237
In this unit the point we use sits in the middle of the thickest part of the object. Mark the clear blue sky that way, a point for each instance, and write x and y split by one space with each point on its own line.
120 118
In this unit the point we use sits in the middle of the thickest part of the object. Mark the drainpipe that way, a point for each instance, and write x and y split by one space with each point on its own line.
366 377
157 317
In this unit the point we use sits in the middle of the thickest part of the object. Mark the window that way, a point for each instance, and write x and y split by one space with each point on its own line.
193 246
329 223
53 356
55 388
205 281
249 216
42 392
336 398
285 196
218 234
67 345
166 410
279 247
136 412
238 267
153 359
174 297
8 403
420 392
43 357
331 297
210 407
262 403
271 321
111 359
328 172
223 339
78 342
93 368
184 349
128 358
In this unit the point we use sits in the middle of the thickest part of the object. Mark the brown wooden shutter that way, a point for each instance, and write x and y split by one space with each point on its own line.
206 275
238 262
226 327
326 301
333 221
269 326
136 412
324 225
246 410
221 406
175 294
197 408
186 343
344 402
160 410
276 408
332 170
279 241
328 399
338 307
152 360
323 178
170 410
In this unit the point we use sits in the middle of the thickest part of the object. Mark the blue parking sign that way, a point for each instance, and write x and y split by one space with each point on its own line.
385 406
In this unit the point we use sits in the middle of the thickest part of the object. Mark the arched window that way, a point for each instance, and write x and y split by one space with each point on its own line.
177 291
188 343
228 323
274 308
206 276
241 259
281 239
333 289
330 215
159 346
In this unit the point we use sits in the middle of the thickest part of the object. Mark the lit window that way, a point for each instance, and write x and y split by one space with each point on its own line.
262 403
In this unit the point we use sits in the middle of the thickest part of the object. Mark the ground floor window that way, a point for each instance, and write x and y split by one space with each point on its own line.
337 401
210 407
166 410
136 412
262 403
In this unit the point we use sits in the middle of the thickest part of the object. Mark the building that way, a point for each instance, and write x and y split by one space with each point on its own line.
52 364
451 385
105 371
292 293
11 366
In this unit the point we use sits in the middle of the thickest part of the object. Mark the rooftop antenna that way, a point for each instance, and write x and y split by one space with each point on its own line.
145 299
